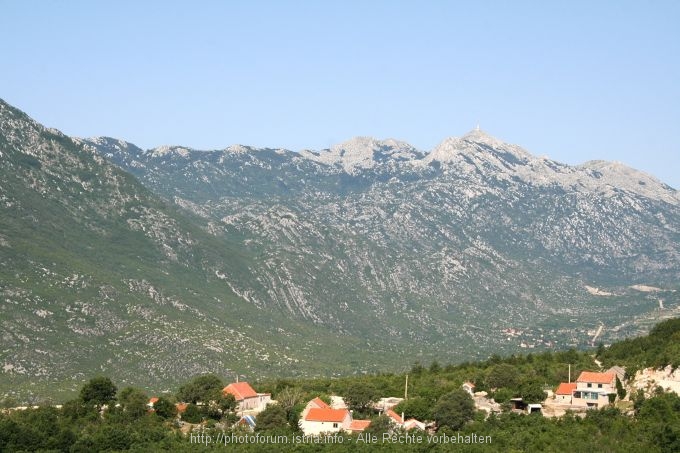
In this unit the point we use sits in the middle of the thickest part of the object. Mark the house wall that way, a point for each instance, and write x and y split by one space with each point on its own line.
314 427
607 388
257 402
563 399
600 399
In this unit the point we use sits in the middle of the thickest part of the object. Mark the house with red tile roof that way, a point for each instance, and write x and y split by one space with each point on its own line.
412 423
153 400
319 420
247 399
396 418
564 392
316 403
593 389
469 387
181 407
357 426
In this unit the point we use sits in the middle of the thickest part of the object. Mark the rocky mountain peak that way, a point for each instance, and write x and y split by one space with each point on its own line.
478 135
365 153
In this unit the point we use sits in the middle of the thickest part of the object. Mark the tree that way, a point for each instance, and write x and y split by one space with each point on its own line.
359 396
192 414
380 425
273 417
502 375
289 397
417 368
112 437
638 400
98 391
203 388
454 409
416 407
227 403
620 391
531 391
76 410
502 395
133 401
164 408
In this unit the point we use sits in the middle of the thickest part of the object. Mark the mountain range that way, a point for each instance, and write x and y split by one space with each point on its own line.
156 265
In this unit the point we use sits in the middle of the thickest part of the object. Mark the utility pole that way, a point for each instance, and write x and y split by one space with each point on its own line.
406 388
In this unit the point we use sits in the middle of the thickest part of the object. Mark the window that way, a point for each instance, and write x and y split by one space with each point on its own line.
589 385
335 425
599 386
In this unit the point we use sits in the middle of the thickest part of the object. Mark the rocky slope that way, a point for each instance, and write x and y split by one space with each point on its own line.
445 249
98 275
368 255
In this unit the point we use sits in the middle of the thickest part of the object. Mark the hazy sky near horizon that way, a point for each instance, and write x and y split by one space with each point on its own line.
573 80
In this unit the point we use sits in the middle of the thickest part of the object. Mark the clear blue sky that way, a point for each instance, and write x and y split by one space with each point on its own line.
571 80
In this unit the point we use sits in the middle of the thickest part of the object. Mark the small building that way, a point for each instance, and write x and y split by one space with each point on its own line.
620 372
181 407
412 423
357 426
564 392
153 400
247 399
395 418
593 389
534 408
316 403
469 387
325 420
387 403
338 402
520 406
247 422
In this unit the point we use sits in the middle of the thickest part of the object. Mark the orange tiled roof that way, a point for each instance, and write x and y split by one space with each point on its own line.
412 423
240 390
153 400
394 416
320 403
326 415
181 407
597 378
565 388
359 425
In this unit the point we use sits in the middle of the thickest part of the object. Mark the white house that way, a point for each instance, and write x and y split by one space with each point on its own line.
469 387
387 403
565 392
325 420
316 403
593 389
396 418
247 399
412 423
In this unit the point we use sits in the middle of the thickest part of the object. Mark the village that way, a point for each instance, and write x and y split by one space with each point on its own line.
591 390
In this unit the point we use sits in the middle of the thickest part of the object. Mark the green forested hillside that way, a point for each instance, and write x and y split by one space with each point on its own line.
658 349
99 275
652 424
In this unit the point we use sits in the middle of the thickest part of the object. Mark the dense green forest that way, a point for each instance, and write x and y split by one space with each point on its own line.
105 418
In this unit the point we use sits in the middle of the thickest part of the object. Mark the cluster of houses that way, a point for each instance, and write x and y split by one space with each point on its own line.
591 390
317 417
